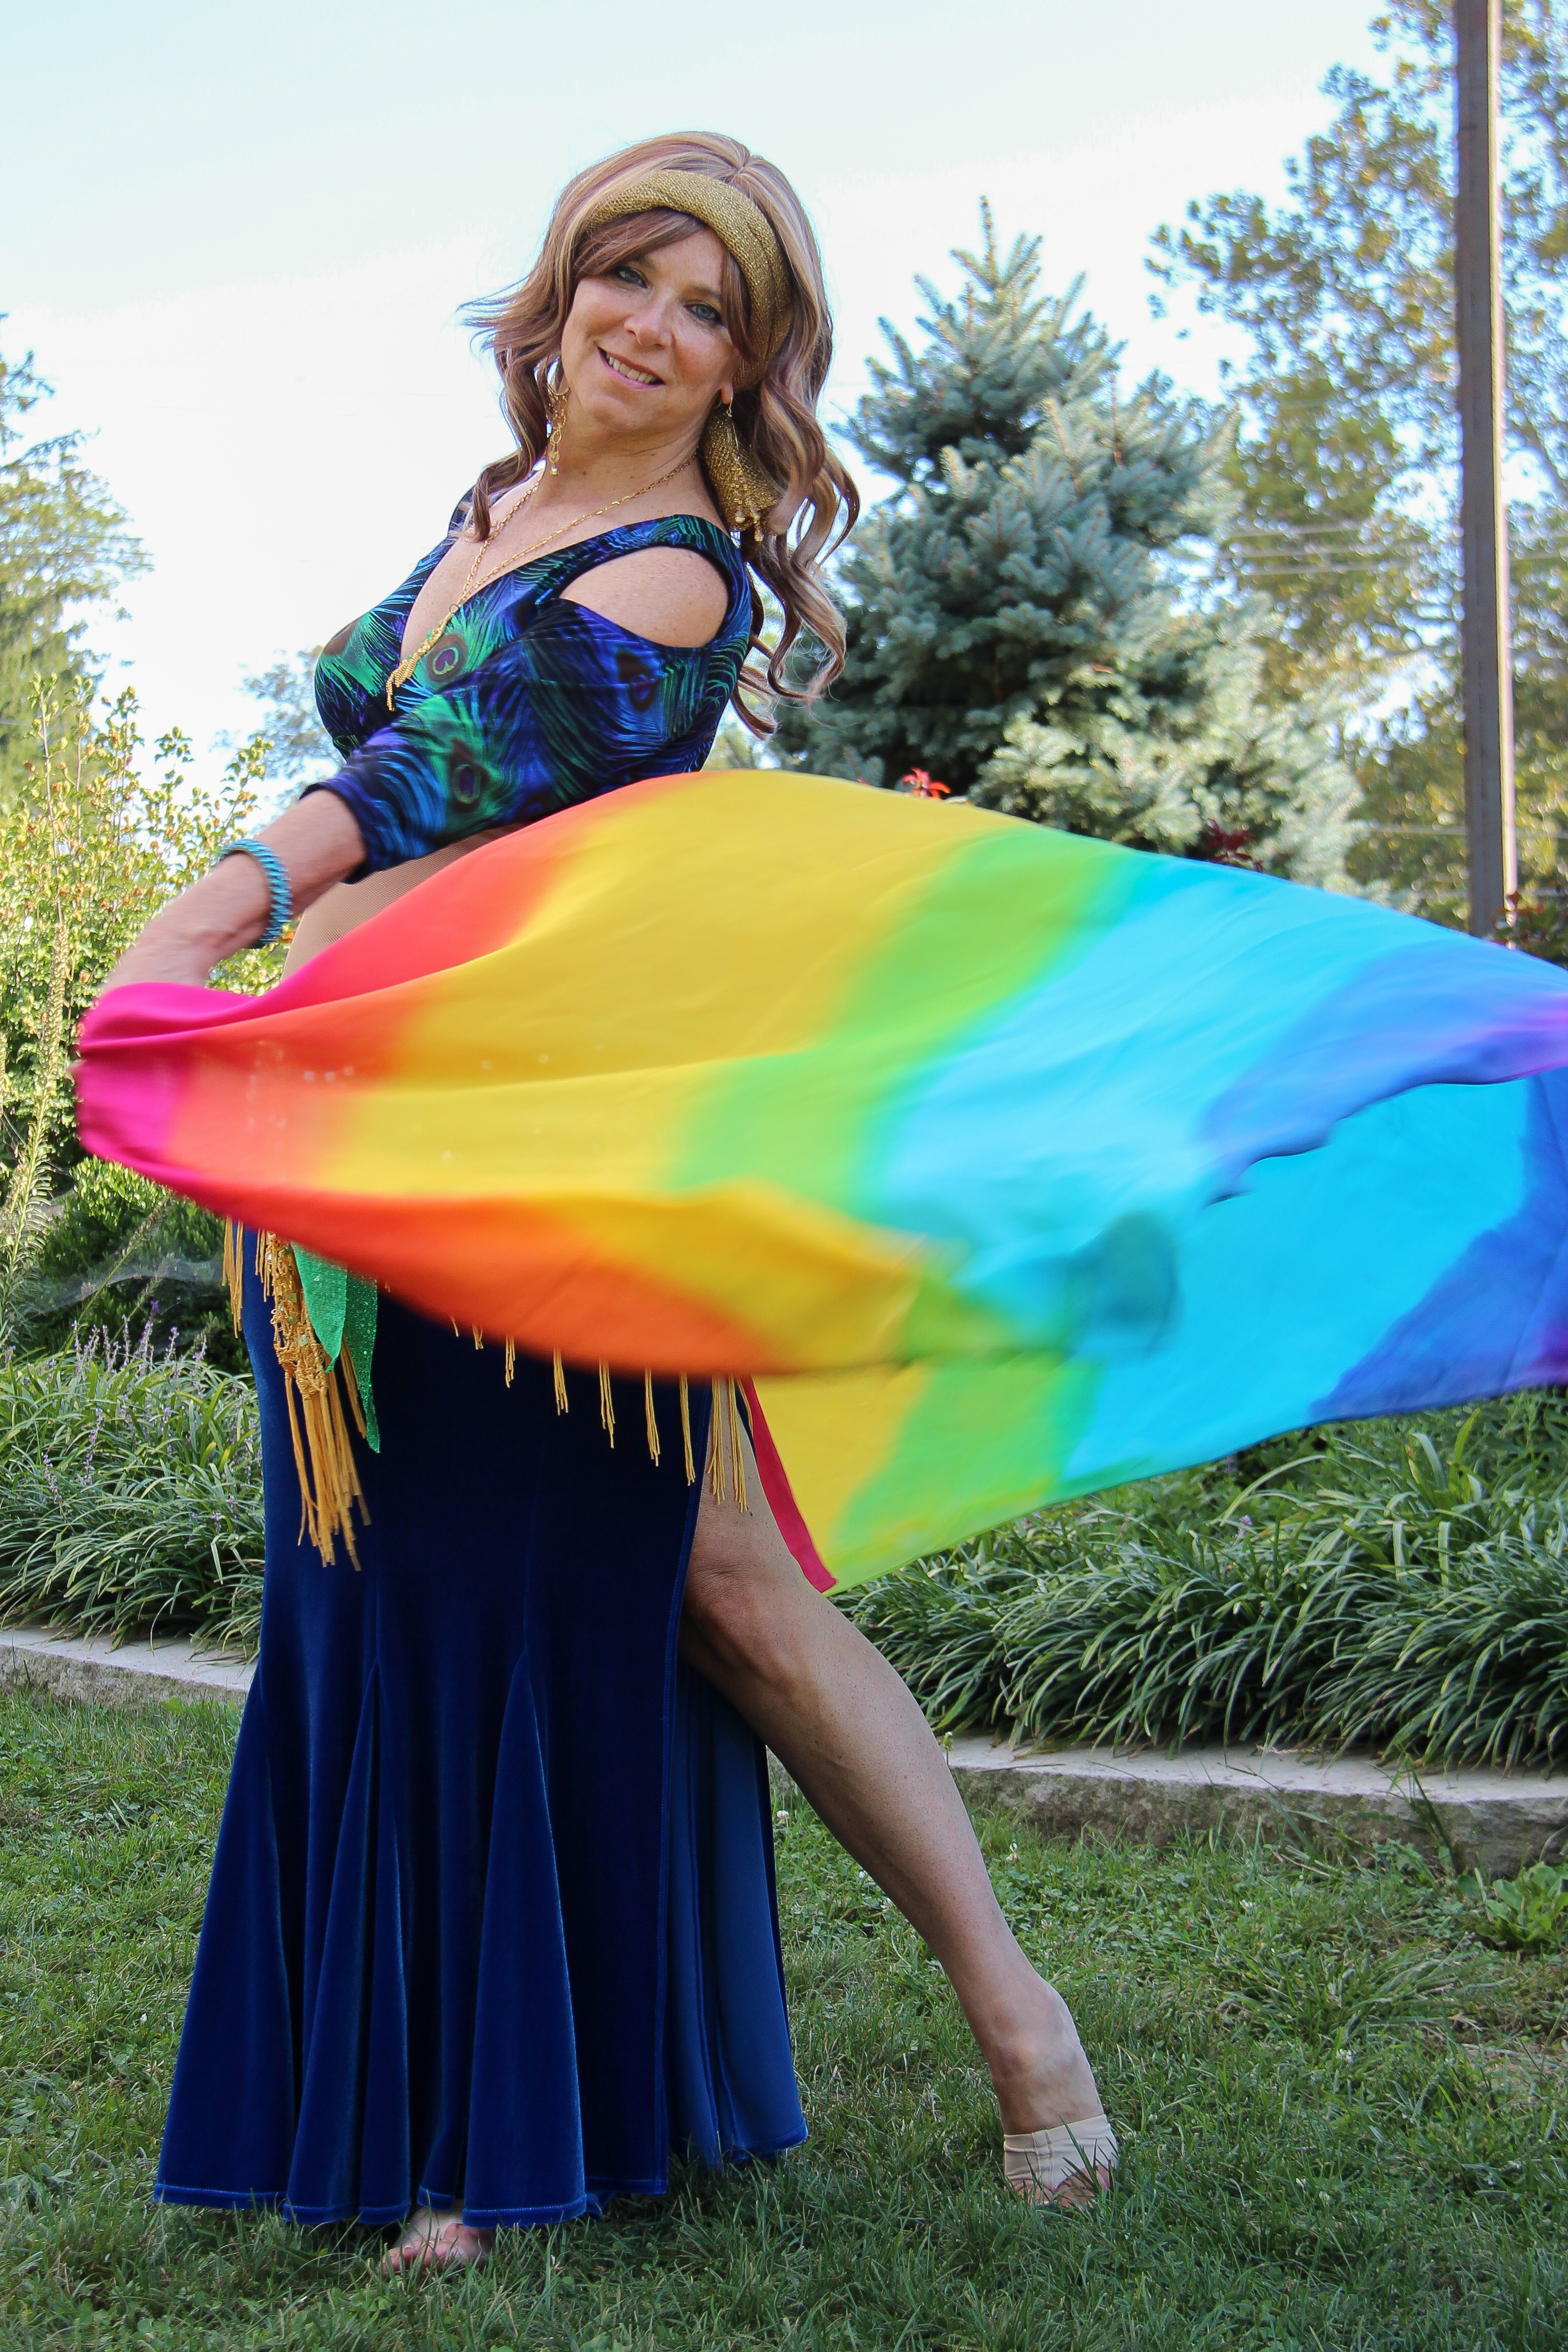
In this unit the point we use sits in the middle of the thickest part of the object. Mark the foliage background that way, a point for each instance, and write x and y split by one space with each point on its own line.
1343 445
1204 628
1027 614
91 843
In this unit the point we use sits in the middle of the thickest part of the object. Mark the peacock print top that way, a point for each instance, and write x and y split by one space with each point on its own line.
526 702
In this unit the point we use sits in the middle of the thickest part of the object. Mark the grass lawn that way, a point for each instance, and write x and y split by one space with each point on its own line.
1341 2113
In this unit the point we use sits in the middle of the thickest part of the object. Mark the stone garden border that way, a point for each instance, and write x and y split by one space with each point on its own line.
1492 1821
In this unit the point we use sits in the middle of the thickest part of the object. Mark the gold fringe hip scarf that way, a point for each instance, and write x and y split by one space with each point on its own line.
325 1407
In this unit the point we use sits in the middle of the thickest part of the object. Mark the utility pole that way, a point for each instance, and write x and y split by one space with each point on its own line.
1487 648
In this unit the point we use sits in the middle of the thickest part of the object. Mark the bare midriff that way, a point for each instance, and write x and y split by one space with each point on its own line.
344 907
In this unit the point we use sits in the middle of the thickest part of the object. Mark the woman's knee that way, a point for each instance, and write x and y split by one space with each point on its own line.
744 1615
722 1602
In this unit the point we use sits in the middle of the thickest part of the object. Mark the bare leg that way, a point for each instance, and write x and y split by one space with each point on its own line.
843 1724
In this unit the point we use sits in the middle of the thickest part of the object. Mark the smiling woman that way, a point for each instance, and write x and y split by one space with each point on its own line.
492 1922
667 298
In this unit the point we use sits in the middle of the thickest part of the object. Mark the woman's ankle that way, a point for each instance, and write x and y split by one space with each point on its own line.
1039 2070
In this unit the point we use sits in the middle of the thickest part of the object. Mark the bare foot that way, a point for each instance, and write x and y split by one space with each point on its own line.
1042 2079
437 2242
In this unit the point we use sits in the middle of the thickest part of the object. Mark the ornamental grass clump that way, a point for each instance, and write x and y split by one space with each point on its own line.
129 1493
1400 1585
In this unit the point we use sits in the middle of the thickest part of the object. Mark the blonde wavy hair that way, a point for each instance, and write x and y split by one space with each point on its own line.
776 416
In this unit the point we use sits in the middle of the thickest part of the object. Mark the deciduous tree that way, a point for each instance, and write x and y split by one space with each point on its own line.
1345 464
64 545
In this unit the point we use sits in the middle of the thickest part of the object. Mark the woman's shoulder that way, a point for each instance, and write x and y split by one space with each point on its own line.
664 590
677 579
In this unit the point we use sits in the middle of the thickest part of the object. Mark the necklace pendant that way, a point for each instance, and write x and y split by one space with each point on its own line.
400 676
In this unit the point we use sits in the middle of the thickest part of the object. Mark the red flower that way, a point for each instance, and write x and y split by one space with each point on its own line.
922 787
1218 847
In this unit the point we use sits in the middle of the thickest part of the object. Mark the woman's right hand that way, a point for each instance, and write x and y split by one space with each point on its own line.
320 842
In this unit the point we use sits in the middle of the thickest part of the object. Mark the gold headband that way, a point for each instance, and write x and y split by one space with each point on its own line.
742 227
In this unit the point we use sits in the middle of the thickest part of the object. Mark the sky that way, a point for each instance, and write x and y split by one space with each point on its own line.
237 240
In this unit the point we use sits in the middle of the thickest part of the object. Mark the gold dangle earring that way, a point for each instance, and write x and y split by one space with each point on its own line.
743 492
556 397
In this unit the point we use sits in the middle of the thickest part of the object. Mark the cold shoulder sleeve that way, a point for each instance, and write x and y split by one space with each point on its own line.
571 706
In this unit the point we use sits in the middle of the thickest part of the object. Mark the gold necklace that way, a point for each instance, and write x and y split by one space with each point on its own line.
410 662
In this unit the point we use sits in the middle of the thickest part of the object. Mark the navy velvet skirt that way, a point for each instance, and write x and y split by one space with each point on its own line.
492 1920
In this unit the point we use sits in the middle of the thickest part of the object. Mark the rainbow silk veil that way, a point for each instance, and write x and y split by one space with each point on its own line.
1008 1165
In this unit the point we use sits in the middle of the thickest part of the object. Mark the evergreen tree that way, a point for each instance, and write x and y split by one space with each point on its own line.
1024 619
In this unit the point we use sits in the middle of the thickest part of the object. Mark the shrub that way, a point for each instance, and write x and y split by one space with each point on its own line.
91 846
1395 1583
118 1256
129 1493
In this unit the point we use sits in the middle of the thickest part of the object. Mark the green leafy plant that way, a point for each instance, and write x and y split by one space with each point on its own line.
65 548
27 1180
91 846
93 841
117 1254
1526 1913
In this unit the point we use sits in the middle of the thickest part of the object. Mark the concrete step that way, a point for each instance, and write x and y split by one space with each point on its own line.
1492 1821
1495 1822
138 1673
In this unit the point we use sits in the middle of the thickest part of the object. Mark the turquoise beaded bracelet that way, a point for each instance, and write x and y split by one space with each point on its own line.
280 912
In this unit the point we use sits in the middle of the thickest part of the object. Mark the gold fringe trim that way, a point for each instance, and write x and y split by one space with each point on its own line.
726 1462
323 1451
737 1457
715 1479
234 1272
323 1455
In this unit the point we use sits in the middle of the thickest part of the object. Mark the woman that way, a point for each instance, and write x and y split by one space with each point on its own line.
492 1923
